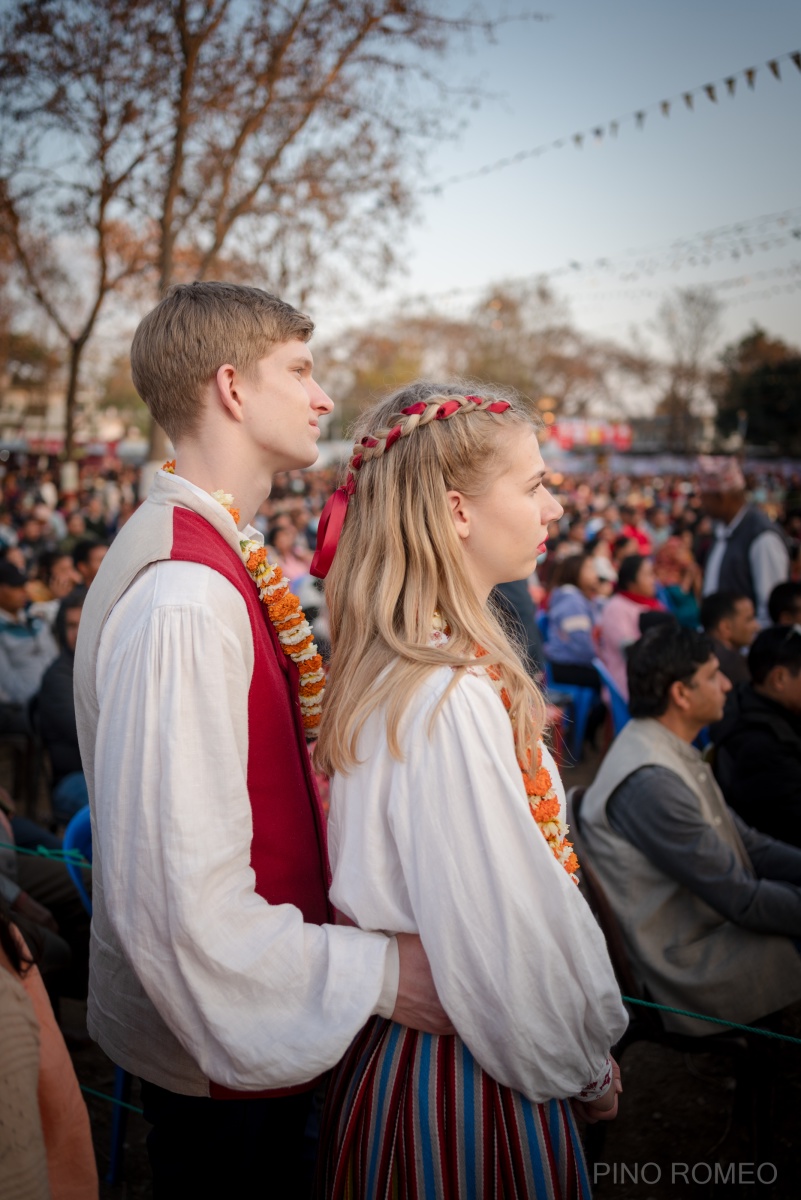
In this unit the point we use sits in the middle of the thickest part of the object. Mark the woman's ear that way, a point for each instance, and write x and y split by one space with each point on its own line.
459 513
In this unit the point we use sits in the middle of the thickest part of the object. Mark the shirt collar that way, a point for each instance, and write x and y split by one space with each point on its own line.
725 531
249 531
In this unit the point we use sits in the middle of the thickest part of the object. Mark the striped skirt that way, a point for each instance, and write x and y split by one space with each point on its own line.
412 1116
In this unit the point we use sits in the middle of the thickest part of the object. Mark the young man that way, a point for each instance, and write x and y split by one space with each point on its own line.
217 972
708 906
729 620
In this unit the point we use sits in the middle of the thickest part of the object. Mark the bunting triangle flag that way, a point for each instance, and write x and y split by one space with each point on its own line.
639 117
774 66
709 88
731 84
598 133
665 106
796 57
688 100
750 74
578 139
613 128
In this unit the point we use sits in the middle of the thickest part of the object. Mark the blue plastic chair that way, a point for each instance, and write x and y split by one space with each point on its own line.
581 700
620 709
78 836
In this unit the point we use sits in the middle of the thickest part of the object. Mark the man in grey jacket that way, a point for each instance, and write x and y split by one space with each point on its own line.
707 905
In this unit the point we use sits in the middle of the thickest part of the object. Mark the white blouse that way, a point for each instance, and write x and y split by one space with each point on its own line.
443 844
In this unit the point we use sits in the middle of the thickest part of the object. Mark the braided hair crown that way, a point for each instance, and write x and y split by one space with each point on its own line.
435 403
417 416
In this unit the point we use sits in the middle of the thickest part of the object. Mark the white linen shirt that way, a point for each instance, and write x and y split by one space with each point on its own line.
443 844
257 997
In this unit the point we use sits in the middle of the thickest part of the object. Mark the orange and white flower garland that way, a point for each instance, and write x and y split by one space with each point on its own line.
288 618
542 798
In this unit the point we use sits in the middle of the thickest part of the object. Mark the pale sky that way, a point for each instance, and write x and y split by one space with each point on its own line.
723 164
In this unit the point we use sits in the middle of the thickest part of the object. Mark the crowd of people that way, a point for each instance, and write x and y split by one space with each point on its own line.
176 699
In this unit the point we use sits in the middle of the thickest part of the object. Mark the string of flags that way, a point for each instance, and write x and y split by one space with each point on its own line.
737 241
712 91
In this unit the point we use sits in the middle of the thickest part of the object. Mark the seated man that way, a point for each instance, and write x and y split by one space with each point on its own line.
758 743
784 604
729 621
707 906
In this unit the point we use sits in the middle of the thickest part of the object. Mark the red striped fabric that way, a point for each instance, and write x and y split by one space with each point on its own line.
411 1116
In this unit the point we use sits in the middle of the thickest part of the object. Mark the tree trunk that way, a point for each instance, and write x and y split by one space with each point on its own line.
71 399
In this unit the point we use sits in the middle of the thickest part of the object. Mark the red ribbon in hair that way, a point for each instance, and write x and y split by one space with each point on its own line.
332 518
333 515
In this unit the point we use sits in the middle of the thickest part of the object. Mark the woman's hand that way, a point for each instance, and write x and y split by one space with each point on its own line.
604 1108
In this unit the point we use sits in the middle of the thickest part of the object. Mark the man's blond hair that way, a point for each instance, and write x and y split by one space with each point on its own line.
181 344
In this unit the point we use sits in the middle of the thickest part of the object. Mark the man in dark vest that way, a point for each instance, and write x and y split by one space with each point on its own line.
218 974
749 555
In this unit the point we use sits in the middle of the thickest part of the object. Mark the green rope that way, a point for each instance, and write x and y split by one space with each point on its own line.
682 1012
76 857
112 1099
71 856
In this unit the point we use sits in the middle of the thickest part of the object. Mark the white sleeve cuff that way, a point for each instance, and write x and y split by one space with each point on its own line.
389 992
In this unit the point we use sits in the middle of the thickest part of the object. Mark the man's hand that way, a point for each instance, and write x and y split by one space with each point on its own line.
605 1107
26 906
418 1004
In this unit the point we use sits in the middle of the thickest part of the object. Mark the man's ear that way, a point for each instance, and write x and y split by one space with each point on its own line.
677 693
459 513
226 383
777 678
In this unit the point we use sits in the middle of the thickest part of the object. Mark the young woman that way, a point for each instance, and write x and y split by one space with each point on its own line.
620 621
447 819
573 613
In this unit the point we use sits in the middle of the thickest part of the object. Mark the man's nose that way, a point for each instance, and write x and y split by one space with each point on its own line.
320 401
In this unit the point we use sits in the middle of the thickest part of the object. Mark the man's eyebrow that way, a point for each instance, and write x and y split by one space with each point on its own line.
538 475
302 360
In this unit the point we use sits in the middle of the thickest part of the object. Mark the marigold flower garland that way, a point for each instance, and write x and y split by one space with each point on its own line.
542 798
288 618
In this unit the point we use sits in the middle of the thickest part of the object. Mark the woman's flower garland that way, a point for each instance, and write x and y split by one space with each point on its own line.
288 618
542 798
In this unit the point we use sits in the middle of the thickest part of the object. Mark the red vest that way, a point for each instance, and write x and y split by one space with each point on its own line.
288 851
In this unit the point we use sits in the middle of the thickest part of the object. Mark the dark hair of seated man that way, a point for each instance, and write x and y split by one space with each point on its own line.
665 655
784 603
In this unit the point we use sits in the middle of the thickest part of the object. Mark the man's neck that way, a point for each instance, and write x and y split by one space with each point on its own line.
678 725
216 469
718 636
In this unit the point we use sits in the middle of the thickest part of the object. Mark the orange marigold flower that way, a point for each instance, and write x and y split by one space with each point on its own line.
235 515
542 781
507 699
169 466
283 608
546 810
289 623
539 756
572 864
312 689
309 665
256 558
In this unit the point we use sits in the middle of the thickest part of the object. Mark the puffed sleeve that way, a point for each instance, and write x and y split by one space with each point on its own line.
518 959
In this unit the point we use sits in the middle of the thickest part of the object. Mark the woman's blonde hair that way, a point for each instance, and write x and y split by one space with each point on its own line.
400 559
